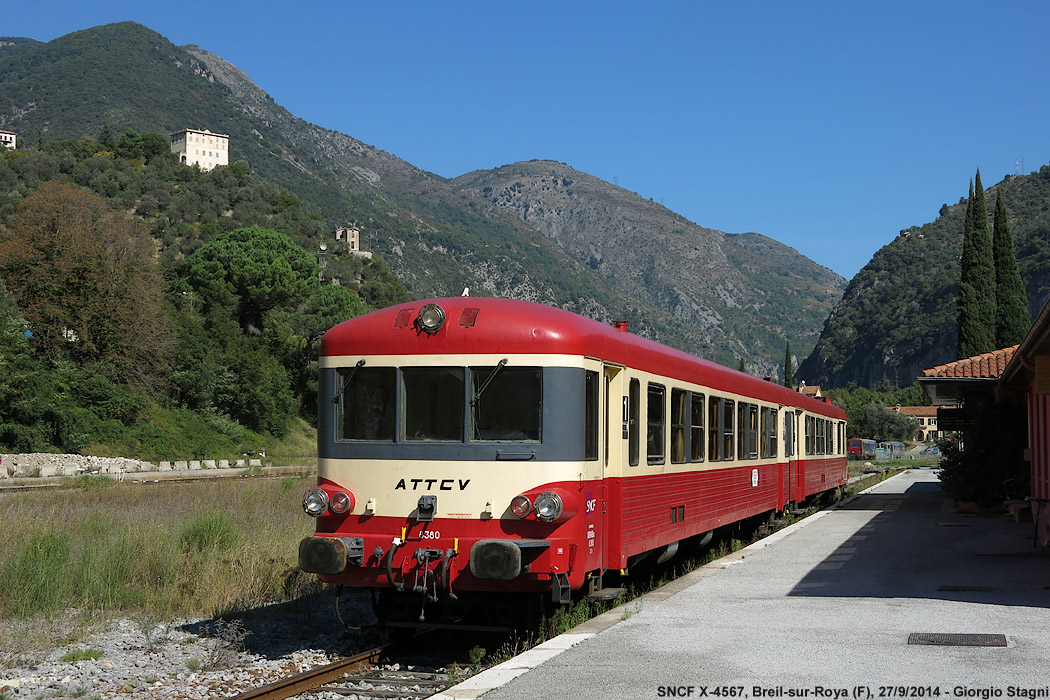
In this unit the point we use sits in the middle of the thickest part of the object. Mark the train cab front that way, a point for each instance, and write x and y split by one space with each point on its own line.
530 545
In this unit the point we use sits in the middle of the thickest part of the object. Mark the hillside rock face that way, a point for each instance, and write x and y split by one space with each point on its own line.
730 296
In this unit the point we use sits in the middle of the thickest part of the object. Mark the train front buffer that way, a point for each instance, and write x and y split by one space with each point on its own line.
534 543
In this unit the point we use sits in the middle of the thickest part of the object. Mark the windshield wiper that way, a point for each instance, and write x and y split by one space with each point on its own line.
488 380
346 380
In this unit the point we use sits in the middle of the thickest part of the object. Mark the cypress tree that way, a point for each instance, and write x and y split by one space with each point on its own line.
789 376
976 303
1011 302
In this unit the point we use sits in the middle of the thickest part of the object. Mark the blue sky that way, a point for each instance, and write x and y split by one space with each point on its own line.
828 126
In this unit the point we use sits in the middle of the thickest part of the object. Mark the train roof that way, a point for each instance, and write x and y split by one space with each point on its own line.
490 326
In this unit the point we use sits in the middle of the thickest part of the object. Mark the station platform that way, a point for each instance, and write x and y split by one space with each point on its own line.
892 594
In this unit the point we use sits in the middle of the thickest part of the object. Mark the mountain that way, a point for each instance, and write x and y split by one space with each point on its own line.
587 246
717 290
897 316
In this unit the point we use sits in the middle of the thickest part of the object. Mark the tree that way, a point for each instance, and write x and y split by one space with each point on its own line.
87 282
789 376
1012 319
975 308
251 270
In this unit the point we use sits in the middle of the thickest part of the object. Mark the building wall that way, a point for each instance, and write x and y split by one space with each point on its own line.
8 139
202 148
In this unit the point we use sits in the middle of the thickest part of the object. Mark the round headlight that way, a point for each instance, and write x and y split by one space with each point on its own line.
341 502
431 318
315 502
520 506
548 507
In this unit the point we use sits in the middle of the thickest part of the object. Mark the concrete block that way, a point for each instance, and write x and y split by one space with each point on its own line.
208 464
195 464
181 466
224 464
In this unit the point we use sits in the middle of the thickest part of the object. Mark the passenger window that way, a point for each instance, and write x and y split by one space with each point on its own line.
433 403
727 429
365 403
678 434
768 432
714 430
696 430
654 434
747 437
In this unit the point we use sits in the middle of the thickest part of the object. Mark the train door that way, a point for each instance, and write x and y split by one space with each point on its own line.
614 454
791 452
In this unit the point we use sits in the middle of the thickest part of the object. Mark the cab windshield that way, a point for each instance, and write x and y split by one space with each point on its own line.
439 404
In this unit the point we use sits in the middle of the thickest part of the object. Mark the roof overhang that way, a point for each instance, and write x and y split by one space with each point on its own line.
951 391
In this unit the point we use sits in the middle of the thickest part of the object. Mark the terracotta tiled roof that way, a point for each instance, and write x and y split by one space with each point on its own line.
810 391
987 366
917 411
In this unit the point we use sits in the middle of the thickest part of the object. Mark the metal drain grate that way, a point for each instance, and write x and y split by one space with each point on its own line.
967 589
957 640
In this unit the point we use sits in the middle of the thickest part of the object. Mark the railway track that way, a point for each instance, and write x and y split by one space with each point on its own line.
355 676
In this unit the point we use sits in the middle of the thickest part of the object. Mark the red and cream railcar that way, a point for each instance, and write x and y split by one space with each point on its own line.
495 445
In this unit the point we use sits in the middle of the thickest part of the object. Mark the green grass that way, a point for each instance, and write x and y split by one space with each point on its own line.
191 549
76 655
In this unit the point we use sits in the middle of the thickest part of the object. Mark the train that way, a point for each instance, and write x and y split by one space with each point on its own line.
860 448
487 446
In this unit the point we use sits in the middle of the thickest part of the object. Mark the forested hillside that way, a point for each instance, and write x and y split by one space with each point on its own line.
151 309
436 236
897 316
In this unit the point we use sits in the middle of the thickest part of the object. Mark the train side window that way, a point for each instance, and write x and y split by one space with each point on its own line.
433 403
506 403
678 434
810 436
655 422
789 433
727 429
714 428
633 436
696 428
366 403
747 431
768 432
591 429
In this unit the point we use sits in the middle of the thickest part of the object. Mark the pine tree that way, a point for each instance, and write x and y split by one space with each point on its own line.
976 302
742 367
789 376
1011 303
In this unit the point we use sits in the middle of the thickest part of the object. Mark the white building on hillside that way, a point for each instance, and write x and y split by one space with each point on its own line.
202 148
8 139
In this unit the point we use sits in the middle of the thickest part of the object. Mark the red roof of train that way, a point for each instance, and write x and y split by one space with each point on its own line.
525 327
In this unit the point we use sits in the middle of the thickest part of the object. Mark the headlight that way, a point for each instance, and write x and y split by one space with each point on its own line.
315 502
548 507
341 502
430 319
521 506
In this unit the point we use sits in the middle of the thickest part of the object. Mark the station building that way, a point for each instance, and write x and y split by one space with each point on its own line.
1015 378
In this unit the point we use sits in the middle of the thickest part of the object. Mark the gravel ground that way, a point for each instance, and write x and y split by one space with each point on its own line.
186 659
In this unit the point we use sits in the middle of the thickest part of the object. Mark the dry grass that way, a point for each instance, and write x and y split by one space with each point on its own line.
192 549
